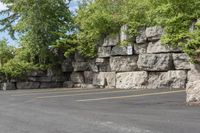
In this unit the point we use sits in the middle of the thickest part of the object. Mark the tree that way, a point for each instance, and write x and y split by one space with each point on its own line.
6 52
39 23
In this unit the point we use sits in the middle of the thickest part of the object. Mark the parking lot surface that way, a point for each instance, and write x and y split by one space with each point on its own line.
97 111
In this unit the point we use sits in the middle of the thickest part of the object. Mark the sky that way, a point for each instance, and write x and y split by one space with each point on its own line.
73 7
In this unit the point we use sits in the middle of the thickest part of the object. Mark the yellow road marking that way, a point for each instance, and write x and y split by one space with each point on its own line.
81 94
63 91
129 96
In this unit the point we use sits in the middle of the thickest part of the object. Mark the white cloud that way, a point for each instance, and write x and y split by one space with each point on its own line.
2 6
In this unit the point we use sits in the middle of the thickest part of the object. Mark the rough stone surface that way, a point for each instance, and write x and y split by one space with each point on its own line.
154 33
141 38
105 79
158 47
194 73
88 75
103 64
132 80
85 86
28 85
77 77
119 50
93 66
104 52
80 66
140 48
124 35
79 58
68 84
123 63
155 62
51 85
193 92
181 61
165 80
8 86
37 73
67 66
111 40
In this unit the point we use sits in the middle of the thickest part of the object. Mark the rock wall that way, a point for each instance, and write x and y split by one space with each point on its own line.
143 64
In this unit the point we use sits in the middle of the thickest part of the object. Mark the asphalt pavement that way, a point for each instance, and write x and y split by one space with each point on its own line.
97 111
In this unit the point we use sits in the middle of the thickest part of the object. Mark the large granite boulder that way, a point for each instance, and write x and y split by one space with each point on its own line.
158 47
141 38
154 33
140 48
155 62
181 61
77 77
193 92
79 58
104 52
103 64
89 75
8 86
123 63
44 85
105 79
80 66
68 84
93 66
194 73
122 50
28 85
36 73
132 80
167 80
111 40
67 65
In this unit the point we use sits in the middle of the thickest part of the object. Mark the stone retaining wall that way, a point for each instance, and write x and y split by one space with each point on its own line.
143 64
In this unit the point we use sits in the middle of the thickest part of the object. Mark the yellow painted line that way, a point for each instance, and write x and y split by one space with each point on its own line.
63 91
91 93
129 96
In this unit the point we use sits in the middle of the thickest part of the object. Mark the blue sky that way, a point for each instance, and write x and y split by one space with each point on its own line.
73 7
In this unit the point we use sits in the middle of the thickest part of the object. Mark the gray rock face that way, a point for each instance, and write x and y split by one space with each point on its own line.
104 52
103 64
111 40
85 86
67 66
88 75
194 73
132 80
8 86
79 58
119 50
105 79
154 33
141 38
51 85
181 61
68 84
80 66
140 48
28 85
77 77
36 73
123 63
193 92
155 62
93 66
124 34
158 47
165 80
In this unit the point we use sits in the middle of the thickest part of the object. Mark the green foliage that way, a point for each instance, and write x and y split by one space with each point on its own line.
17 69
97 18
39 24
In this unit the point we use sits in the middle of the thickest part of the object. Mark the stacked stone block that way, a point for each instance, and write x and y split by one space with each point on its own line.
149 65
